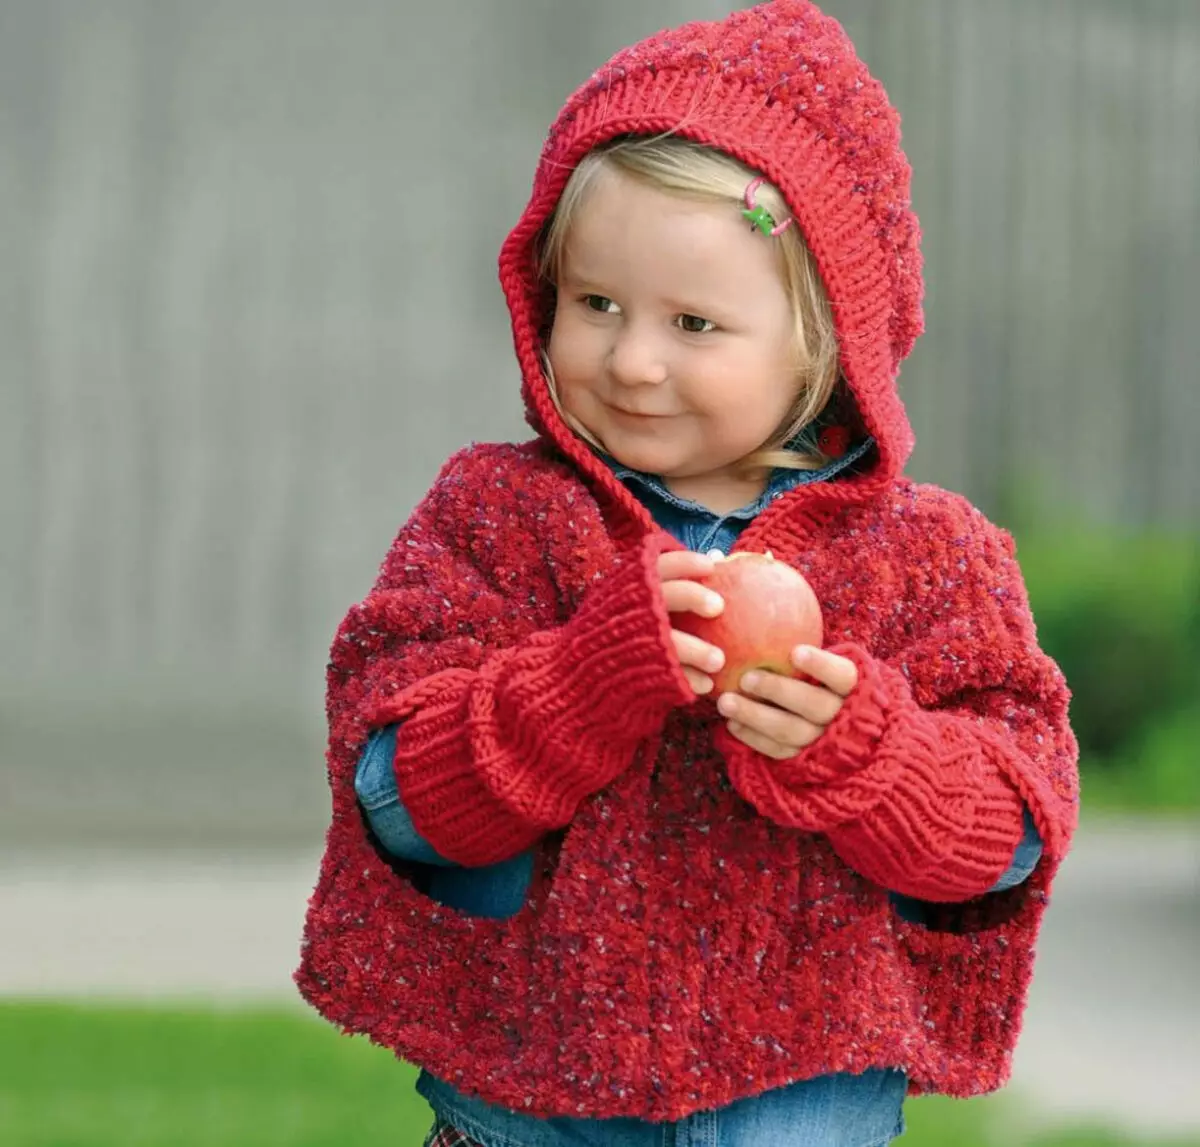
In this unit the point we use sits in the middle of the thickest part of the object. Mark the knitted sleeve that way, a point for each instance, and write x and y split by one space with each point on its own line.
511 713
919 781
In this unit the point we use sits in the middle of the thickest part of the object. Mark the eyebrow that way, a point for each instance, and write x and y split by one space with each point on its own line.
572 276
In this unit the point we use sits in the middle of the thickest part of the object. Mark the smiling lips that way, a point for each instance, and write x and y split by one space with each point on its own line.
639 413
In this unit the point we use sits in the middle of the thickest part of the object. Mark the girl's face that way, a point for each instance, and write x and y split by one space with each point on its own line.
672 341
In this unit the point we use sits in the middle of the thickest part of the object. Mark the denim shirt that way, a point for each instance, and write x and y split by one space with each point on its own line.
839 1110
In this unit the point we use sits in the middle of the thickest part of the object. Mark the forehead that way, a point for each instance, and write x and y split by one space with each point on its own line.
629 232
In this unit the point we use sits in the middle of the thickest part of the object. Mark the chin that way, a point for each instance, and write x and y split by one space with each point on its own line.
648 460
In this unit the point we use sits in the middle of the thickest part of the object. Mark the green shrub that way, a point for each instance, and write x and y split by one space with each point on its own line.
1121 616
1159 771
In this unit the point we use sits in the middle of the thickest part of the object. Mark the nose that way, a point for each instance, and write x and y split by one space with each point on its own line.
635 358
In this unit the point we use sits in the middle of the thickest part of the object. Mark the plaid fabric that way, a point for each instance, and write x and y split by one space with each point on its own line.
443 1135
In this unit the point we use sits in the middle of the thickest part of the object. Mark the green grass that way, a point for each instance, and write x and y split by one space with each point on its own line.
142 1077
103 1077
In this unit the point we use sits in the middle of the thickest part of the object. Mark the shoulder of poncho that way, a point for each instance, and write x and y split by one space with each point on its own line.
527 465
938 567
502 491
930 517
516 515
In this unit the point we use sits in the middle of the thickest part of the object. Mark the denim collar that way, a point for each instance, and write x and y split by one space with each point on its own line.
780 482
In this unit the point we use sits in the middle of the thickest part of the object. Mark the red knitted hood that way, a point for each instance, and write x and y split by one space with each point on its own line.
780 88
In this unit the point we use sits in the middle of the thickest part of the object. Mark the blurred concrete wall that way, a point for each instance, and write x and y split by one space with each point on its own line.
248 305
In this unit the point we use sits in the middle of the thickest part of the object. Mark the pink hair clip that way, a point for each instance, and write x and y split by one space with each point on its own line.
759 216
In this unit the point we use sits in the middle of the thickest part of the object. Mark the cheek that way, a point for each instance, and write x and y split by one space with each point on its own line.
572 355
729 383
747 397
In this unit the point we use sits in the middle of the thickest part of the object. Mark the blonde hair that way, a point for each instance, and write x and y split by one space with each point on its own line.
678 166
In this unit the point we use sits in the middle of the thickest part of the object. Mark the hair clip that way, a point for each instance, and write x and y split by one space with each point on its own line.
759 216
834 441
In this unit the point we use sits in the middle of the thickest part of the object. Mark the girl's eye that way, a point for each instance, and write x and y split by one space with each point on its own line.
600 303
695 325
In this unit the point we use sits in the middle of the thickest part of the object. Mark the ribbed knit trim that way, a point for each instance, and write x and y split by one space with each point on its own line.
780 88
919 802
488 762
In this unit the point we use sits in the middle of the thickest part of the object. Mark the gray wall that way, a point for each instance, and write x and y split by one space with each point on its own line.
248 305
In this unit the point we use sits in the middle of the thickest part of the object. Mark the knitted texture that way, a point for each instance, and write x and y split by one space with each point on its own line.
491 759
917 801
704 923
779 87
712 923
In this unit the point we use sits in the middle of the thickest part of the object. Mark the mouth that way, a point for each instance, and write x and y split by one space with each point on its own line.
647 414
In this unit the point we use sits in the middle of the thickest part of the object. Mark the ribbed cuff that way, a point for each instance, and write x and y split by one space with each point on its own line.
916 801
487 768
835 778
949 826
849 742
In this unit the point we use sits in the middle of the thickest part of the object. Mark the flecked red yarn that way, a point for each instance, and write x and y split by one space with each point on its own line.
705 923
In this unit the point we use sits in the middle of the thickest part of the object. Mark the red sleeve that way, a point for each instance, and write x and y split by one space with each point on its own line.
502 736
920 780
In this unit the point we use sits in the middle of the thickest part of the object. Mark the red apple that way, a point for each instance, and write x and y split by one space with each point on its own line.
769 610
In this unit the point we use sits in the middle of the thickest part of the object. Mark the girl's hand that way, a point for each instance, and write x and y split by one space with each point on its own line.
779 715
676 569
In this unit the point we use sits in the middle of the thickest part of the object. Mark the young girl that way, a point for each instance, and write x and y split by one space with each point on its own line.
595 902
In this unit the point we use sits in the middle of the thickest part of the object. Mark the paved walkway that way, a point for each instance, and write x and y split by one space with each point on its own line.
1112 1032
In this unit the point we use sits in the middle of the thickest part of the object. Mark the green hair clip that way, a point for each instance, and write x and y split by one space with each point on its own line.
759 216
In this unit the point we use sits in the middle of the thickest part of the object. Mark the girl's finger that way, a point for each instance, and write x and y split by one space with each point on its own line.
691 597
696 653
683 564
814 703
701 683
777 724
837 673
757 740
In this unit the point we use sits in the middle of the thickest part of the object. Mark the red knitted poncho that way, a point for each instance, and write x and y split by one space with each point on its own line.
704 923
